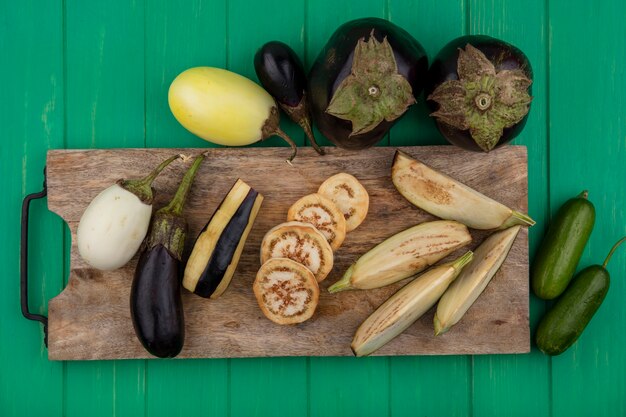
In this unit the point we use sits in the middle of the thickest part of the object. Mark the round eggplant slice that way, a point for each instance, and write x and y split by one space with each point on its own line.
322 213
300 242
350 197
286 291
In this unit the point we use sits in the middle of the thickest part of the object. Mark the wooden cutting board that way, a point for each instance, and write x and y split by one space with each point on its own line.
90 319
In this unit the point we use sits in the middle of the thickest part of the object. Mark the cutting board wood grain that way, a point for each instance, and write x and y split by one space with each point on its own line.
90 319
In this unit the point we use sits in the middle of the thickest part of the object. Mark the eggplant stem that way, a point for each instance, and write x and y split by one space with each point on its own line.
517 218
608 257
286 138
142 187
149 179
175 206
463 260
344 283
305 124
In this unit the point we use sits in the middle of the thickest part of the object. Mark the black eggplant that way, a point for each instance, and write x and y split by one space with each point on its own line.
281 73
155 299
217 249
479 91
364 79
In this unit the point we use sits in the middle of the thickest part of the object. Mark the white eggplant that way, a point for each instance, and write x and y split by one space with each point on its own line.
463 292
116 221
407 305
449 199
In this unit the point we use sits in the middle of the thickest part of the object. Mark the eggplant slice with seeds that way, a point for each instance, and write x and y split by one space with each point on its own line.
286 291
322 213
300 242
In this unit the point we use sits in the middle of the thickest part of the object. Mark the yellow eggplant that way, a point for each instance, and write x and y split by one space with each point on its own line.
225 108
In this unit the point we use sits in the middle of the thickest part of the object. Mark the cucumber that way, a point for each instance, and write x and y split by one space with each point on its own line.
565 322
562 247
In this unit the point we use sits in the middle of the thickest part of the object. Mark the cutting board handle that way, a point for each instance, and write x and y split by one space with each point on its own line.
24 260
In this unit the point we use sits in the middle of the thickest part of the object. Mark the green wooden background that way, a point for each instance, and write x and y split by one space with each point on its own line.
94 74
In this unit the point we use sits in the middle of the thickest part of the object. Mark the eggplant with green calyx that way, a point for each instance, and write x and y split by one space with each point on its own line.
479 91
364 79
156 306
116 221
281 73
217 250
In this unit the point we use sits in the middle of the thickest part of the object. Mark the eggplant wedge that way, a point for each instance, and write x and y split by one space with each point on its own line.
403 255
463 292
446 198
406 306
217 249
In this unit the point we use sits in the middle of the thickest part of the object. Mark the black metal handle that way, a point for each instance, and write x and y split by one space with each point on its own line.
24 260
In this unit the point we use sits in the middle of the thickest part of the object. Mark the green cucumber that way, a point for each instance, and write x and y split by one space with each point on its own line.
562 247
564 323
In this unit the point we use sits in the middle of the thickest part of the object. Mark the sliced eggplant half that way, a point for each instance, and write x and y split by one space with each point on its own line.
349 196
286 291
403 255
217 249
322 213
300 242
407 305
460 296
449 199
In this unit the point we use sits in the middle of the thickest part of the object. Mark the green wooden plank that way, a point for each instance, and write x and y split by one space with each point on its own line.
181 35
344 386
105 108
250 25
587 151
433 24
31 121
266 387
496 378
187 388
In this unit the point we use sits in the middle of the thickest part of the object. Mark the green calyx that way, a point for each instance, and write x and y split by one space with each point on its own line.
142 187
169 227
483 101
374 91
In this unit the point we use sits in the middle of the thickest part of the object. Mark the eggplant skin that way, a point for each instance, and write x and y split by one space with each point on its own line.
156 306
225 247
503 55
281 73
334 64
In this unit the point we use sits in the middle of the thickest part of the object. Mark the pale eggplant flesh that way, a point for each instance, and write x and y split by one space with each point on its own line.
217 249
447 198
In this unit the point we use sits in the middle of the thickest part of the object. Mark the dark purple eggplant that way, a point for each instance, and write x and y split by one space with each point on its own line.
364 79
155 299
479 91
281 73
217 249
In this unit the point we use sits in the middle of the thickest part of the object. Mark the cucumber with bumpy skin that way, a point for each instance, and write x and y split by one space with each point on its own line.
565 322
562 247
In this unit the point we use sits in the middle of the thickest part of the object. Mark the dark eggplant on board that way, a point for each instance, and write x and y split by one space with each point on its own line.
281 73
217 249
364 80
479 92
155 298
